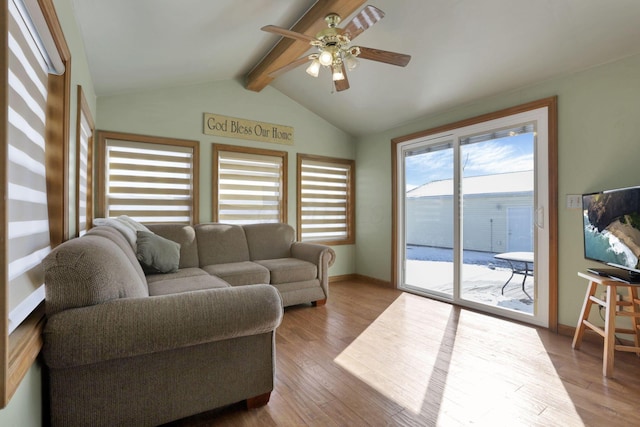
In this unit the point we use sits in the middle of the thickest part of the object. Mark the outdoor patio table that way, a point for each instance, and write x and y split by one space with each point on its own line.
513 258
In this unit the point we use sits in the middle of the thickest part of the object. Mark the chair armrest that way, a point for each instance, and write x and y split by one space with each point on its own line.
313 252
135 326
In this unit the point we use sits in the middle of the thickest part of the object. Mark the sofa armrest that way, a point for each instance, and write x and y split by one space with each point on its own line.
313 252
135 326
320 255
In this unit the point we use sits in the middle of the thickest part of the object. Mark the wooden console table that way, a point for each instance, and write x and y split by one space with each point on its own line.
611 305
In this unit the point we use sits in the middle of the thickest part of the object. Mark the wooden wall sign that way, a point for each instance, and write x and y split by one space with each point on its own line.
215 124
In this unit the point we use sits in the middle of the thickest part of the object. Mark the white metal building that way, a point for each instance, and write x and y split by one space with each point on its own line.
497 211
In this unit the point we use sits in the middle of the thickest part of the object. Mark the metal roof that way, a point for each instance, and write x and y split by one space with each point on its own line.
510 182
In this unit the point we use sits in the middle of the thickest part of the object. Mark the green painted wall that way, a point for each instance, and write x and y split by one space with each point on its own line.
178 113
25 407
598 139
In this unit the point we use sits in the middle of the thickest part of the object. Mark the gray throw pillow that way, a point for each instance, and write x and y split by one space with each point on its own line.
157 254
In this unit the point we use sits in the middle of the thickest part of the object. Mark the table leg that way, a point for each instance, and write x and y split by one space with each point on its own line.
609 331
513 271
526 273
584 315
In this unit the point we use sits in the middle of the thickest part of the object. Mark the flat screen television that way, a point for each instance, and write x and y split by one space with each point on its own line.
611 225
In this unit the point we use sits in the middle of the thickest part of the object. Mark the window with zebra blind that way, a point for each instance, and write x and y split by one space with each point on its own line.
150 179
35 97
326 199
250 185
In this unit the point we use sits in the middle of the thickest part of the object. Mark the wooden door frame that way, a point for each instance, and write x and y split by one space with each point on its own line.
551 104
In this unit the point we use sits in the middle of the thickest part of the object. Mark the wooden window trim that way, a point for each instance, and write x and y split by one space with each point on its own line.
19 350
351 200
103 136
5 391
84 110
248 150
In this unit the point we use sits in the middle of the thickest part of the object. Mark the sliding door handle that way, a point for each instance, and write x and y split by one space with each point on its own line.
539 219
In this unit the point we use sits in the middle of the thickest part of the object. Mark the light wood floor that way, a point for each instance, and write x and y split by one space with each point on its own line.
375 356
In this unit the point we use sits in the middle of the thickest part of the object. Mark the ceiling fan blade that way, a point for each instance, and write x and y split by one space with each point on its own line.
287 33
343 84
290 66
387 57
363 20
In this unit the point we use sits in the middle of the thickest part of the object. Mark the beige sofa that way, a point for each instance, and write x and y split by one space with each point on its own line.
125 348
251 254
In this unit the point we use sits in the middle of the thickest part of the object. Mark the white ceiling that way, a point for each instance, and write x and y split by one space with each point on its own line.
462 50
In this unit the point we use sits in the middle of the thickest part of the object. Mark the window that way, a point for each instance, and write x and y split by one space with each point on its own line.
150 179
250 185
34 186
326 200
84 165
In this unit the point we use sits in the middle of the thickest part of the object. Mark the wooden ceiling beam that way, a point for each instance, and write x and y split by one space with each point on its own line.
288 50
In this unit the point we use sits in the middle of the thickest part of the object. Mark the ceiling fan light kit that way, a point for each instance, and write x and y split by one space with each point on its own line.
326 58
337 73
334 47
314 68
350 59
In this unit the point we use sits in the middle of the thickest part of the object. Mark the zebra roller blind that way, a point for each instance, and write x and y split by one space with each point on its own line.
251 185
150 182
27 233
325 199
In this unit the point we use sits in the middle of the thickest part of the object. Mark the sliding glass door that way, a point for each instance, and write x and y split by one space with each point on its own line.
472 206
429 214
497 193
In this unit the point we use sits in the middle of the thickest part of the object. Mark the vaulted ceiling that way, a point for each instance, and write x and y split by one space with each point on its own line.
462 50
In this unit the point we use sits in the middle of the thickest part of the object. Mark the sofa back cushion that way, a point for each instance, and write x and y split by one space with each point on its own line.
90 270
221 243
116 237
269 241
185 235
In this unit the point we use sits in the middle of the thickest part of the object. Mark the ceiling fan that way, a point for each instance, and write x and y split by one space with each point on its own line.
334 47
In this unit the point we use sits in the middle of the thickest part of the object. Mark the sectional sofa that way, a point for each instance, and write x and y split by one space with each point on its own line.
180 322
250 254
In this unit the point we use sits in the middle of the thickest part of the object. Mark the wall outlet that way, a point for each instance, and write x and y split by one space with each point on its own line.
603 297
574 201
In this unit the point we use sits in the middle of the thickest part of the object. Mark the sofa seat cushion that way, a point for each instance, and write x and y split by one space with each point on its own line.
183 272
286 270
184 280
239 273
298 286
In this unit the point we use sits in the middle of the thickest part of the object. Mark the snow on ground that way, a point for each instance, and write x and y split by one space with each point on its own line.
482 277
